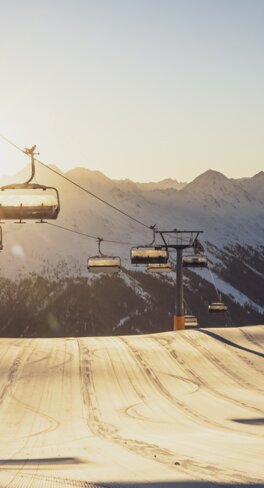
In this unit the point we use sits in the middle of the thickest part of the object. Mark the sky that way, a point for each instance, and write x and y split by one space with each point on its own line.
139 89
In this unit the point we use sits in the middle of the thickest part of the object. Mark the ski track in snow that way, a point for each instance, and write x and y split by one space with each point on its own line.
167 410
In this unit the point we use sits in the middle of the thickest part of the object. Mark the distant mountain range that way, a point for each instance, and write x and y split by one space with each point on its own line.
162 185
229 211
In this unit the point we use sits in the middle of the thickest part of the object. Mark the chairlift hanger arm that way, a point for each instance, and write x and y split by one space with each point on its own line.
27 184
153 228
99 240
94 195
162 236
31 152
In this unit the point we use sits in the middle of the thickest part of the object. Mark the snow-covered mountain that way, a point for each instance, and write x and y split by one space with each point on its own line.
162 185
230 212
254 185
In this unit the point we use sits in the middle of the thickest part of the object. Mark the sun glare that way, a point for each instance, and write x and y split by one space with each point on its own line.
27 200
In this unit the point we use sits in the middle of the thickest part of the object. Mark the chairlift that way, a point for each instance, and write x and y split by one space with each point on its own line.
194 261
1 239
102 263
217 307
159 268
29 201
190 321
149 254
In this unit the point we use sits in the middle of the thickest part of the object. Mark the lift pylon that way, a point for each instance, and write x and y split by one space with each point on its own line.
179 240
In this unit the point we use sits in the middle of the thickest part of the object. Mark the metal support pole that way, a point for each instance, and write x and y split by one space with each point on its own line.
184 239
179 307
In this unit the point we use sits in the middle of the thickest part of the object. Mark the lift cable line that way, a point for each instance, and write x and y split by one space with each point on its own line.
214 282
80 187
12 143
93 195
218 307
68 229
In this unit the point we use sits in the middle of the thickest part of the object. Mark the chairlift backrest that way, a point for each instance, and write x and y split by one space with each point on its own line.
29 202
217 307
104 264
148 255
159 268
194 261
190 321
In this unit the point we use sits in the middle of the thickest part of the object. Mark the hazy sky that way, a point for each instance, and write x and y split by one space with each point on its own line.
144 89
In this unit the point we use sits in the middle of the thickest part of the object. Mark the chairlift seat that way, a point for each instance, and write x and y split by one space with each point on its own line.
149 255
190 321
104 264
29 202
217 307
194 261
159 268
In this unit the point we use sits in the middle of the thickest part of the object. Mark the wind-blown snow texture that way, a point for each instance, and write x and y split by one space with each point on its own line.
173 410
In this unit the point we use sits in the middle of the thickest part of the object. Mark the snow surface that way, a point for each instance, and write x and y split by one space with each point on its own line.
170 410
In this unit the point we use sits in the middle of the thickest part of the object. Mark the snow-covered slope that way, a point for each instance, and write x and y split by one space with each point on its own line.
173 410
254 186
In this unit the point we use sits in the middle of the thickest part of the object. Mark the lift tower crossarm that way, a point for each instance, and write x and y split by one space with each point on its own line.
180 242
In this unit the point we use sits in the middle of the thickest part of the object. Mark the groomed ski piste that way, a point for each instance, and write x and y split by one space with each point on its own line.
176 409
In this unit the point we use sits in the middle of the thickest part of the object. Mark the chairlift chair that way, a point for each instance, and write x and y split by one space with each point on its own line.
194 261
217 307
159 268
102 263
29 201
149 255
190 321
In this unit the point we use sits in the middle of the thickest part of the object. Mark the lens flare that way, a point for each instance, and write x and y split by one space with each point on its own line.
18 251
53 323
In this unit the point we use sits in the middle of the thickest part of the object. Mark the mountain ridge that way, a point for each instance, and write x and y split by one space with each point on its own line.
229 212
165 183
